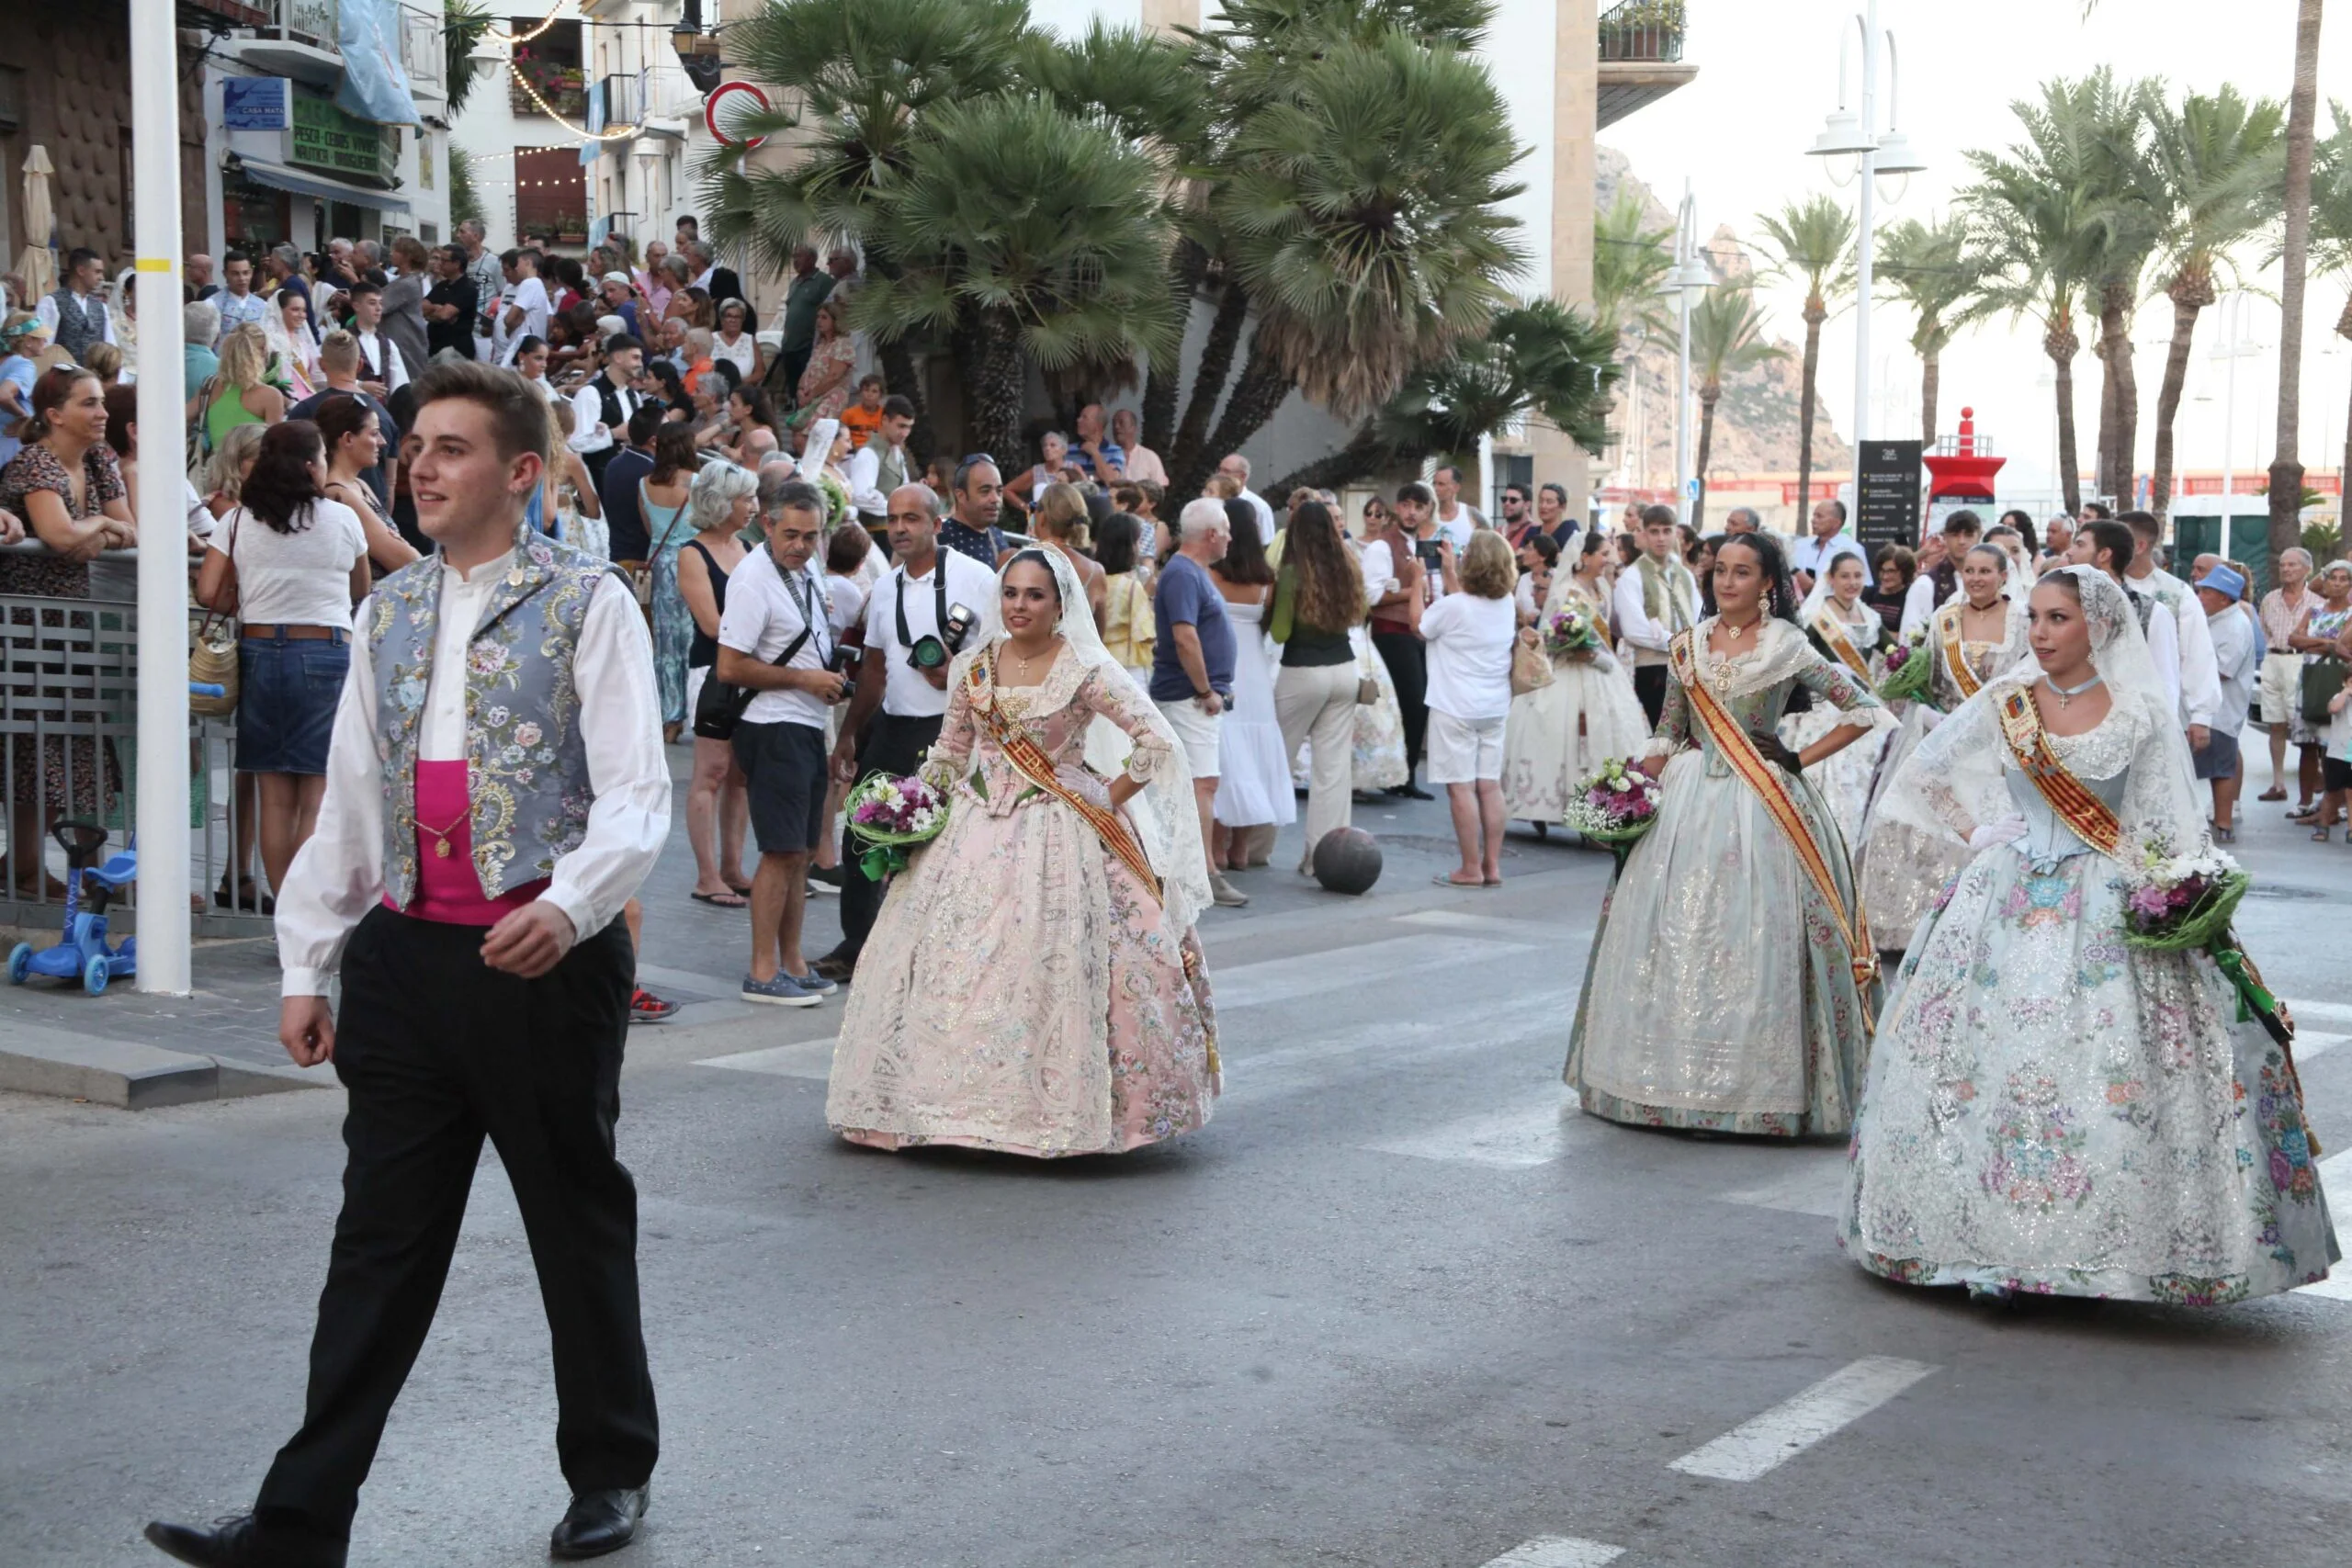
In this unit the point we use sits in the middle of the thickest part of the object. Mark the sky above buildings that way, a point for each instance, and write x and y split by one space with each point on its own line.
1769 75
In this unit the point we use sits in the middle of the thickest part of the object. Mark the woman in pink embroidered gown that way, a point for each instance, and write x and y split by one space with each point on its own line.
1025 989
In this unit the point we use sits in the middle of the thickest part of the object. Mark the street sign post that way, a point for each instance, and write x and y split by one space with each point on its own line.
1886 503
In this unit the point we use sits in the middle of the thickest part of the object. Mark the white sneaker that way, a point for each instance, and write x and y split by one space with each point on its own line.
1225 894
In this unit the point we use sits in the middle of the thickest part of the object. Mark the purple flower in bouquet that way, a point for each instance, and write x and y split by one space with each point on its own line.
2151 901
1897 656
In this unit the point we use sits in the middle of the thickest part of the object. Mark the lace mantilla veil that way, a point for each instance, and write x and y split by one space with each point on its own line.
1956 779
1167 823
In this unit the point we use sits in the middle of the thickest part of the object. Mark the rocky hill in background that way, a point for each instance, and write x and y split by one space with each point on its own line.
1755 423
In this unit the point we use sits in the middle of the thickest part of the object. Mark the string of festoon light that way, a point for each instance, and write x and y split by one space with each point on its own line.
610 133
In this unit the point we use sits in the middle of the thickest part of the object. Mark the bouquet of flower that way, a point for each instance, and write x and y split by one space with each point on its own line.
1908 668
1569 633
889 816
2174 902
1615 806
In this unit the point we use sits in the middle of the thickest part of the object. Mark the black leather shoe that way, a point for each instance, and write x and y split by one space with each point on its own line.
833 969
598 1522
1415 792
238 1542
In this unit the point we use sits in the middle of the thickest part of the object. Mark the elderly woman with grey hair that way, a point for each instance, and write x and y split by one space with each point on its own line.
721 505
2280 691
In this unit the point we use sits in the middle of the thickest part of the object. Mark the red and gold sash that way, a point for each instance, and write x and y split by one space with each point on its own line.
1771 787
1030 761
1831 628
1955 658
2091 818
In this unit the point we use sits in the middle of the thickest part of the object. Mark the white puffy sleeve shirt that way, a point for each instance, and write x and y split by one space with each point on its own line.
339 872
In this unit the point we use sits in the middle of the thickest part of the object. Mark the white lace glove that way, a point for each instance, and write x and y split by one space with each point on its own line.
1988 835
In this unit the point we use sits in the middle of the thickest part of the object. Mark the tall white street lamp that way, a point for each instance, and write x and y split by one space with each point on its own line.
1688 280
165 934
1856 132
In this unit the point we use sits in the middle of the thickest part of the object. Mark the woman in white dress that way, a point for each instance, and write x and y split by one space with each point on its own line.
1728 987
1254 794
1978 635
2051 1108
1848 631
1558 734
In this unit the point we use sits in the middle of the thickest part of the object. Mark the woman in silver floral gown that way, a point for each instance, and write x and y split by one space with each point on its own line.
1975 636
1034 984
2051 1109
1727 990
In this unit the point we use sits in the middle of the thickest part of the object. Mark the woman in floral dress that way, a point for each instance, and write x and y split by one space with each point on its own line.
2051 1108
1976 637
66 486
1034 985
1727 989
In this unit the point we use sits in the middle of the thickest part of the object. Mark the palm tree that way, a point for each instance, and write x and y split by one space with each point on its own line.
2331 237
464 24
1815 241
1939 272
2303 112
1541 358
1727 337
857 82
1072 273
2039 219
1363 215
2108 120
2216 163
1630 260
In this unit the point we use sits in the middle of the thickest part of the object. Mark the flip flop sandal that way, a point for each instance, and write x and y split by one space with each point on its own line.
729 900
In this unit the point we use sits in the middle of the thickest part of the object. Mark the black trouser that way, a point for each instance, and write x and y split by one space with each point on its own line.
892 744
435 1050
793 361
1408 669
1649 685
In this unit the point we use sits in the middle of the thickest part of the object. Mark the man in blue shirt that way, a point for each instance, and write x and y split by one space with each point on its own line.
1191 658
1809 558
624 516
1094 451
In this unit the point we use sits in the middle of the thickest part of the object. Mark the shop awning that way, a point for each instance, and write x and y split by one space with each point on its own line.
303 181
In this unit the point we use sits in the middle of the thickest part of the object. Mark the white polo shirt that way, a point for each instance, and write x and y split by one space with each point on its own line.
906 694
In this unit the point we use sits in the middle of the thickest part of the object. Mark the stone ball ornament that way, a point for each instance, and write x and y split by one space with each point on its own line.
1347 860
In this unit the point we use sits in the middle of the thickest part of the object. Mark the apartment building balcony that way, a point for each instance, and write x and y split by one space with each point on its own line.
1640 57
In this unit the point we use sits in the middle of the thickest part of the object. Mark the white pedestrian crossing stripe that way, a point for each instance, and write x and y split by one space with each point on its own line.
1372 964
1812 1181
1557 1552
2335 1181
803 1059
1756 1448
1510 1140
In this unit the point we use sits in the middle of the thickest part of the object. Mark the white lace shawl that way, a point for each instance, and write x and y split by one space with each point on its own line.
1957 778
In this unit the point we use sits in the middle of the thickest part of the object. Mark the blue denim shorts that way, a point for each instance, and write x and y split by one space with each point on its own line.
286 692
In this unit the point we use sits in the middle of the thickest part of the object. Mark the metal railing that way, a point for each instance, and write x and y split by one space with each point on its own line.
1642 31
624 100
318 23
421 53
69 748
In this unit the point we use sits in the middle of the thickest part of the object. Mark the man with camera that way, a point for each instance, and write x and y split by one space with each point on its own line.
934 604
775 641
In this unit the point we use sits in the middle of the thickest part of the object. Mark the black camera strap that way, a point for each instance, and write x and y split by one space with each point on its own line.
805 599
939 592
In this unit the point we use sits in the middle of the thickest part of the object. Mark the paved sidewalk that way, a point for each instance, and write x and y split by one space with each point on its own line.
695 954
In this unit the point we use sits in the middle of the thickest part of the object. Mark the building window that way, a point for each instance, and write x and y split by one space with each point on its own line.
549 70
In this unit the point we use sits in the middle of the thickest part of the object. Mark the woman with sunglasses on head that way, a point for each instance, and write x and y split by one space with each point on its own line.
1729 987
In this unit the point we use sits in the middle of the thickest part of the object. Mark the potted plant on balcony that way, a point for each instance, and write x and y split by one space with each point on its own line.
571 228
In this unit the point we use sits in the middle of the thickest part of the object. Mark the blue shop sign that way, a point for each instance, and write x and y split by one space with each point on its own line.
255 103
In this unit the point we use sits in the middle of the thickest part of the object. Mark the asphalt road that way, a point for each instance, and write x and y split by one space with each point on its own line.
1395 1307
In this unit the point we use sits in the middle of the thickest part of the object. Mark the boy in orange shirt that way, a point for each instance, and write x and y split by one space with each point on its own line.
862 417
